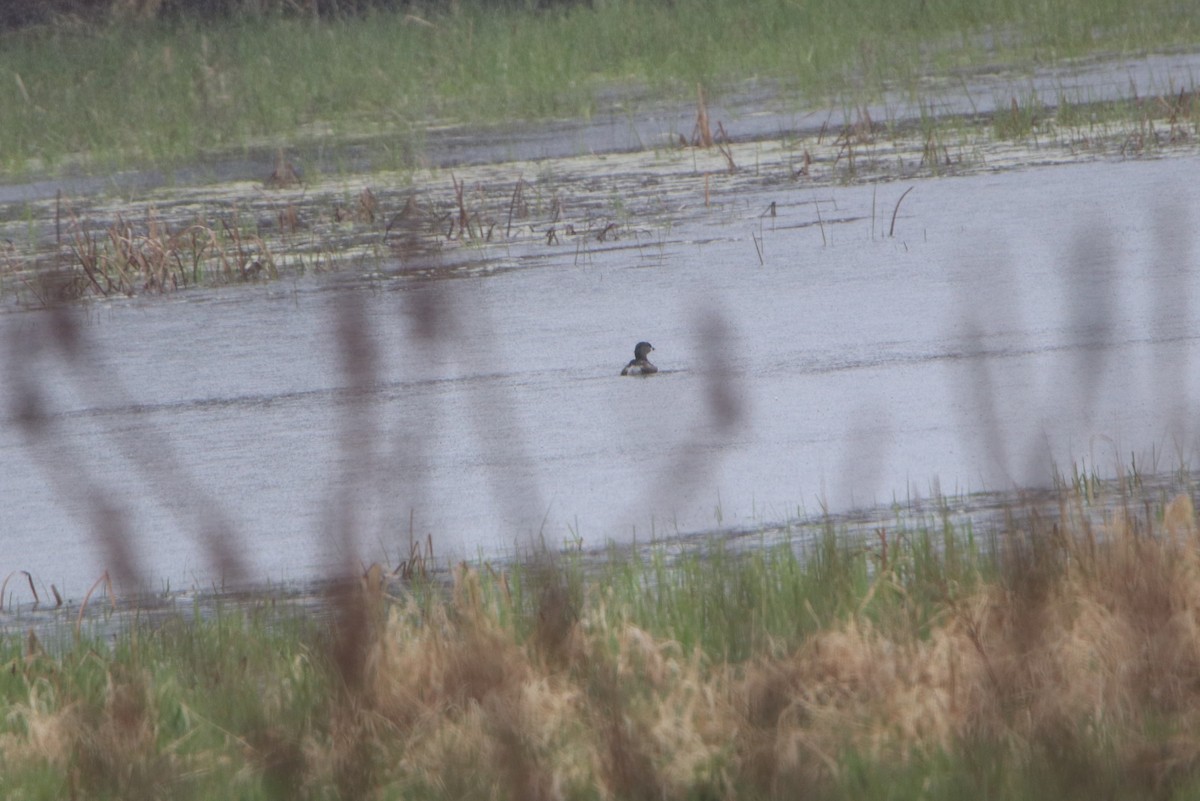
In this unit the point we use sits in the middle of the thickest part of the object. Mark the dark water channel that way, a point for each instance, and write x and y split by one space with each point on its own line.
1015 323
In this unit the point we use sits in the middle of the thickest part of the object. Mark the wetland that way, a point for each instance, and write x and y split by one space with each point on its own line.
847 316
321 480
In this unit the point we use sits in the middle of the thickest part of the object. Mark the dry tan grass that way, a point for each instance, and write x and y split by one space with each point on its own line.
48 730
1096 642
1087 645
1106 644
128 258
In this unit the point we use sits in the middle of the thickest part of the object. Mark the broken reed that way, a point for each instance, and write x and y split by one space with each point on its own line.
124 258
312 229
1058 659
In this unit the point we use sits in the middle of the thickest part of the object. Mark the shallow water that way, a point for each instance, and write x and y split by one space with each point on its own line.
1016 323
1032 314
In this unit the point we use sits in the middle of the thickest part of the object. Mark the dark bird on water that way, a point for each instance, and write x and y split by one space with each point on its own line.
640 364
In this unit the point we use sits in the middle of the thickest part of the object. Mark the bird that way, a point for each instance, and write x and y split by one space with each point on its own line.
640 364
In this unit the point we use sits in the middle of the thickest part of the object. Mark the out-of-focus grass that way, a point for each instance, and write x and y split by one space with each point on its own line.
161 91
1062 660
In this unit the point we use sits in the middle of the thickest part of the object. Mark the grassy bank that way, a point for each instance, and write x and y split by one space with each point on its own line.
154 92
1064 662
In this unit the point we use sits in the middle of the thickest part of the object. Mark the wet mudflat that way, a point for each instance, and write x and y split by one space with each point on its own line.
446 368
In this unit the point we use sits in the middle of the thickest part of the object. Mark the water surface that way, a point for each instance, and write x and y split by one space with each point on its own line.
1016 323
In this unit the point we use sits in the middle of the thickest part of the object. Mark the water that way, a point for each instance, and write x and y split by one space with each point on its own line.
1031 315
1017 323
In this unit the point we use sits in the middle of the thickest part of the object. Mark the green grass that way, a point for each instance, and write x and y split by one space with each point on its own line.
1054 660
119 720
139 93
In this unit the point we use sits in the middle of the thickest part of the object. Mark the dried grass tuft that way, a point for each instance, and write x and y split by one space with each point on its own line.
1089 637
43 730
1079 661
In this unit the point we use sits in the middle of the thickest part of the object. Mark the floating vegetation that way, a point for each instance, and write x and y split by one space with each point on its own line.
432 223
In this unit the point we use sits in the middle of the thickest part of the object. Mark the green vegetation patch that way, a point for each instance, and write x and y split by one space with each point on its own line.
1058 660
159 91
